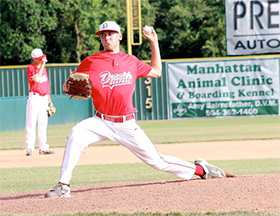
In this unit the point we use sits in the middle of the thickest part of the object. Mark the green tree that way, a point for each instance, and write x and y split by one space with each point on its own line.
74 37
78 20
65 29
77 39
23 27
188 29
213 30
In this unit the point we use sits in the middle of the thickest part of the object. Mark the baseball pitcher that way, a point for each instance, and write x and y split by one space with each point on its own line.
112 75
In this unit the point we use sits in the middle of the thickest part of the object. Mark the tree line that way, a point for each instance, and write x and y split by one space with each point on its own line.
65 29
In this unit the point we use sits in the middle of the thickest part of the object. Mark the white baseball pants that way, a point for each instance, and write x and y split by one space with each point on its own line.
128 134
36 114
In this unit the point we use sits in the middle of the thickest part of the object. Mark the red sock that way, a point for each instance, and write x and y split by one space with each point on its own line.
199 170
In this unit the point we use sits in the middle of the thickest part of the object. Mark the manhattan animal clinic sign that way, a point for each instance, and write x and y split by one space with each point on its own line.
221 88
252 26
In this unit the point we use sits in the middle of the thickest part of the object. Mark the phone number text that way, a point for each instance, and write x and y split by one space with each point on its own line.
232 112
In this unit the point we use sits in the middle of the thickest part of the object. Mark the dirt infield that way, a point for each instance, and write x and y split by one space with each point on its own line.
258 193
223 150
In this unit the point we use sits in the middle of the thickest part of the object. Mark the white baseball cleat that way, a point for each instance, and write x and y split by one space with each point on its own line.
210 170
60 190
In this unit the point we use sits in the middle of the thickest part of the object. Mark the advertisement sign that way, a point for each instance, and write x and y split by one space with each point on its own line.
231 87
252 27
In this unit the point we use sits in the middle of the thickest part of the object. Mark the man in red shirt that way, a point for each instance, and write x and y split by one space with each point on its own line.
112 75
37 103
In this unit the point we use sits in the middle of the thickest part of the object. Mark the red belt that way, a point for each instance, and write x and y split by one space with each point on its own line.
35 93
118 119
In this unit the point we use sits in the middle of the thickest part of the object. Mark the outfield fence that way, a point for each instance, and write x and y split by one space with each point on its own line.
188 88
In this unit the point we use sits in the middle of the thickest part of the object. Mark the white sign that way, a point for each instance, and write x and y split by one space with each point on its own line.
253 26
234 87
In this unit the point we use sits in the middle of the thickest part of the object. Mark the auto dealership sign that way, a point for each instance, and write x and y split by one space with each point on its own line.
253 26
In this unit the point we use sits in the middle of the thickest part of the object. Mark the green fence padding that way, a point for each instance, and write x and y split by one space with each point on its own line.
13 111
150 97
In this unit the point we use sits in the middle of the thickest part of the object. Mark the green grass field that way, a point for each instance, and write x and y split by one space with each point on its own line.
18 179
163 131
172 131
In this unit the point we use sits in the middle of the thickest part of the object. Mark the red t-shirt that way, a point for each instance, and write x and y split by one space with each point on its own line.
113 78
42 87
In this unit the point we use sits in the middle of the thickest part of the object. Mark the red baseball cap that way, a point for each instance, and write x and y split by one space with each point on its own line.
38 54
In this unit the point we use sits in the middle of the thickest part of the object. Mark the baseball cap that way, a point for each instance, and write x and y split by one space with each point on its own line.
109 26
37 54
